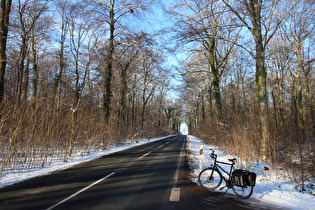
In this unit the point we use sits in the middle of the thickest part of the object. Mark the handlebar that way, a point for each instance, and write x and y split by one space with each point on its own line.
212 155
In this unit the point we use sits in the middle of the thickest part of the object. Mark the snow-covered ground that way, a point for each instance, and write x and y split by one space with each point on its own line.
269 187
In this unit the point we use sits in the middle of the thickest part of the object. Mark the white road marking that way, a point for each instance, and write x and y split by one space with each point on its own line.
82 190
160 146
145 155
175 194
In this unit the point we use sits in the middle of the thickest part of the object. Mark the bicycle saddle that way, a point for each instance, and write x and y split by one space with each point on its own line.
232 160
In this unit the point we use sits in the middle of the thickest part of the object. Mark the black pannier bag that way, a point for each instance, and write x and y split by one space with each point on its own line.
240 177
253 177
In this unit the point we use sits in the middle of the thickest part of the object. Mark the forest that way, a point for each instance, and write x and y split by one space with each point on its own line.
87 74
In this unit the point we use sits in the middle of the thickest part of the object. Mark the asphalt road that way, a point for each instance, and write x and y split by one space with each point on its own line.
151 176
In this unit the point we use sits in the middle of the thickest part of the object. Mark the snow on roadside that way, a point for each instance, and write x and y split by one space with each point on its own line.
10 177
269 188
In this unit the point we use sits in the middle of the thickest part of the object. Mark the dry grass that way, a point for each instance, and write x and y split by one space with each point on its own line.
242 138
31 140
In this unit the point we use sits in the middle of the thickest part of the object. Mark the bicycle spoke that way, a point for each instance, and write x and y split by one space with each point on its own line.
243 192
210 178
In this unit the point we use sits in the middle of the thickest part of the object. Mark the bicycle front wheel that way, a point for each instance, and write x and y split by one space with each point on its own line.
243 192
210 178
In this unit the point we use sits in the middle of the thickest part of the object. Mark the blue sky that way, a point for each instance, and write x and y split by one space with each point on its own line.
155 22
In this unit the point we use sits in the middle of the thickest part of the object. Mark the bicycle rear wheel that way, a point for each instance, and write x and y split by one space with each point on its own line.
210 178
243 192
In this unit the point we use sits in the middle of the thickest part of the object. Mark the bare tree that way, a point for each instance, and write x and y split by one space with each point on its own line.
66 61
261 19
112 13
27 15
127 55
82 44
297 34
38 38
148 67
202 24
62 8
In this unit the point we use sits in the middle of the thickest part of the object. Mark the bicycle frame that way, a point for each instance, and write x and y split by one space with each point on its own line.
217 166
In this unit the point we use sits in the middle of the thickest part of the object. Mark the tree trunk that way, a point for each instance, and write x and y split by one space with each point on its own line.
122 98
275 107
108 77
311 102
74 109
21 72
261 91
254 8
203 114
133 101
144 102
210 100
300 94
281 100
26 78
143 110
215 80
58 78
217 97
35 83
4 23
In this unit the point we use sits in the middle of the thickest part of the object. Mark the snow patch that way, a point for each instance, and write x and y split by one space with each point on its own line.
270 187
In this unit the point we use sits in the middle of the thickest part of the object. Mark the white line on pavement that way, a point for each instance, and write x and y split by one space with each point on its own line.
145 155
175 194
160 146
77 193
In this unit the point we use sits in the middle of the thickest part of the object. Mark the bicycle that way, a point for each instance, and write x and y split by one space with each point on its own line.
241 181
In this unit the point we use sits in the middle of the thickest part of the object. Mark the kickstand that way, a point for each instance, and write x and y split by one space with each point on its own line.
225 190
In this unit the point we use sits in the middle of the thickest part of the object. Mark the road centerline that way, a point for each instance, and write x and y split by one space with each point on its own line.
160 146
145 155
80 191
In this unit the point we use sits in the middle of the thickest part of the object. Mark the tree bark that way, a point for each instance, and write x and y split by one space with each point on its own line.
26 77
210 108
122 97
215 79
108 77
310 100
21 72
4 23
35 84
261 90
